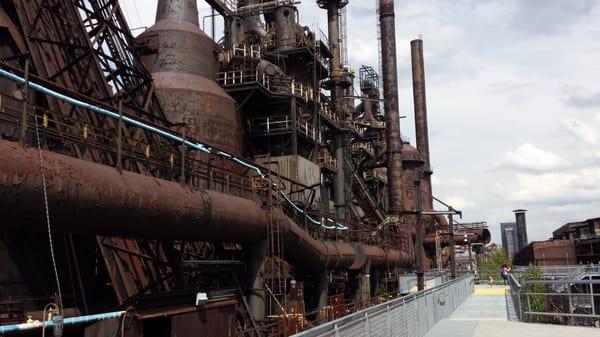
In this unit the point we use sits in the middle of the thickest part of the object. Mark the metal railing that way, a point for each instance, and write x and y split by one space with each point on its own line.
277 84
568 295
412 315
513 299
471 225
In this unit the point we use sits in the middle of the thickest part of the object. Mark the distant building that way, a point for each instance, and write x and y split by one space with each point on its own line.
572 243
581 230
509 238
521 228
547 253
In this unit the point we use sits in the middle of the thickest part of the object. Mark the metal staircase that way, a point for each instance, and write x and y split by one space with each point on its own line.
363 192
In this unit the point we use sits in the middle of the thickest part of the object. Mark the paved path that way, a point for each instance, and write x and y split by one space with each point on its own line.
483 314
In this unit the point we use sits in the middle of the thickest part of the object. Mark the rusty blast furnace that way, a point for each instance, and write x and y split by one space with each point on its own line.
249 183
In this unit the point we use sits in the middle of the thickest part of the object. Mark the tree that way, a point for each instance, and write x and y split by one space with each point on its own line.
535 299
488 266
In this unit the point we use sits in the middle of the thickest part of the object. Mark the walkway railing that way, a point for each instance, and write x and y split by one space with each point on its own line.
411 315
573 299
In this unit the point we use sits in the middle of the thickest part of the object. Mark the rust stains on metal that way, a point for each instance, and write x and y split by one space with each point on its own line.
421 128
392 119
390 95
184 70
133 205
418 75
478 235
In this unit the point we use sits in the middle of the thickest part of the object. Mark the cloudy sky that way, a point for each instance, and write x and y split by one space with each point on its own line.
513 95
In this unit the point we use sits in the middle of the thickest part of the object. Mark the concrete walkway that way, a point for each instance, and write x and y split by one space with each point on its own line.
483 314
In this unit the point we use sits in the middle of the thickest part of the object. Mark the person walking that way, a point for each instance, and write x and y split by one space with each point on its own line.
504 273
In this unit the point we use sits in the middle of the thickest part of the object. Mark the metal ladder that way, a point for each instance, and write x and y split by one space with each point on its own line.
276 280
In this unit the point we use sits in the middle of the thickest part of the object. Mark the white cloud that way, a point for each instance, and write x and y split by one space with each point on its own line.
459 202
578 96
529 157
584 133
455 182
551 188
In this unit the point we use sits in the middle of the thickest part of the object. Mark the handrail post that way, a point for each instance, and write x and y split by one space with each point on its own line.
367 329
389 321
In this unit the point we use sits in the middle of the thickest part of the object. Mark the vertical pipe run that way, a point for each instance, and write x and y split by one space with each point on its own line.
333 8
257 298
451 246
339 183
322 288
294 117
419 245
390 96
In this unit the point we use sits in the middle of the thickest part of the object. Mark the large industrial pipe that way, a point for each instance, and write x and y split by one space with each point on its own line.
133 205
421 129
475 236
390 96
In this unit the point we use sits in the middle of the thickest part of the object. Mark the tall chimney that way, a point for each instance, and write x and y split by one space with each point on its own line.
390 96
421 129
521 228
418 73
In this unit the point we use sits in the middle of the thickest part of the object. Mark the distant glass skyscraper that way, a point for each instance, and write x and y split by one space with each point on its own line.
510 241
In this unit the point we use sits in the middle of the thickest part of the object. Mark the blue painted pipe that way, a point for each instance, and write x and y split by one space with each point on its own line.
169 135
67 321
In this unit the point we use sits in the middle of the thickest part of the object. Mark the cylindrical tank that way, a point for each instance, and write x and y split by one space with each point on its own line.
184 71
285 27
253 30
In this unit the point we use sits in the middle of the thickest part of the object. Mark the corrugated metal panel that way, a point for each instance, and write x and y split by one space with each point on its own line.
296 168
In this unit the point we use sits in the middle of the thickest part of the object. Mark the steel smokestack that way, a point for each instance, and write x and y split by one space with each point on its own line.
390 96
421 128
418 75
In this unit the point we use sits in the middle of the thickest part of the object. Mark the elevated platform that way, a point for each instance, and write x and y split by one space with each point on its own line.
484 314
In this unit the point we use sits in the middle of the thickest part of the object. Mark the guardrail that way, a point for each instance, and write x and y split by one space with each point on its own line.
572 298
412 315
